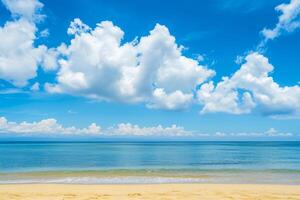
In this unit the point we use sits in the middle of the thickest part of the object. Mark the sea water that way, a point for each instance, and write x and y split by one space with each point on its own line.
150 162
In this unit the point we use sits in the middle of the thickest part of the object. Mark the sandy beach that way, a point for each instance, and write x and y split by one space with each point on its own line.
148 191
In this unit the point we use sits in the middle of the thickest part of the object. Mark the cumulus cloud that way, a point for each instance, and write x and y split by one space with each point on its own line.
45 126
224 98
52 127
48 127
77 27
152 70
29 9
19 57
288 21
251 86
173 101
127 129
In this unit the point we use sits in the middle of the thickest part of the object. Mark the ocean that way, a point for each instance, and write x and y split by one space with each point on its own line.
150 162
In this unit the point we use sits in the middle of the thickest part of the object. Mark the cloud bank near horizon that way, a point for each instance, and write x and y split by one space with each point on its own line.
51 127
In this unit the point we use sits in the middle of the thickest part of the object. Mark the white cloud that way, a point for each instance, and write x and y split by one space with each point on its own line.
248 87
269 133
173 101
29 9
45 126
272 131
152 70
224 98
35 87
52 127
220 134
19 58
49 59
12 91
134 130
78 27
288 21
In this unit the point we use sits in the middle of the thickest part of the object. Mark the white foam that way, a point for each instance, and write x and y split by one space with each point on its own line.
105 180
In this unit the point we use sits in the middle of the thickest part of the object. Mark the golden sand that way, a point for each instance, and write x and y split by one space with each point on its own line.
148 191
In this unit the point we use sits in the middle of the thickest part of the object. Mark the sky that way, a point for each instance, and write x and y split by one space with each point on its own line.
209 69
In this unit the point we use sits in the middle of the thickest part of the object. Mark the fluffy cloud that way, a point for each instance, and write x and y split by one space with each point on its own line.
288 21
77 27
224 98
174 101
248 87
152 70
45 126
51 126
19 57
29 9
134 130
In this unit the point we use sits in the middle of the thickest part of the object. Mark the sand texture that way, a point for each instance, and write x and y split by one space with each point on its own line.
148 191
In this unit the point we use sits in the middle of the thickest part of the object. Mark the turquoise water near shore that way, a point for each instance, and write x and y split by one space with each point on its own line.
150 162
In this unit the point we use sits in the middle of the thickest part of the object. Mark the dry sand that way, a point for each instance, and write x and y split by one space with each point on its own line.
148 191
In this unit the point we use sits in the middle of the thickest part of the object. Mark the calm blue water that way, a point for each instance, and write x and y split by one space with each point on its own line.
271 160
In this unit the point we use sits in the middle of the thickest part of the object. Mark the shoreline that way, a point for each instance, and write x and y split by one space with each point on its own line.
150 176
148 191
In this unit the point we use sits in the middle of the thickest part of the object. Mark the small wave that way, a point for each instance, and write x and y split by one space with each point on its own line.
103 180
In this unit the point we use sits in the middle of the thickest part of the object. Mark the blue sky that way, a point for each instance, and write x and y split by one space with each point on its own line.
70 72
